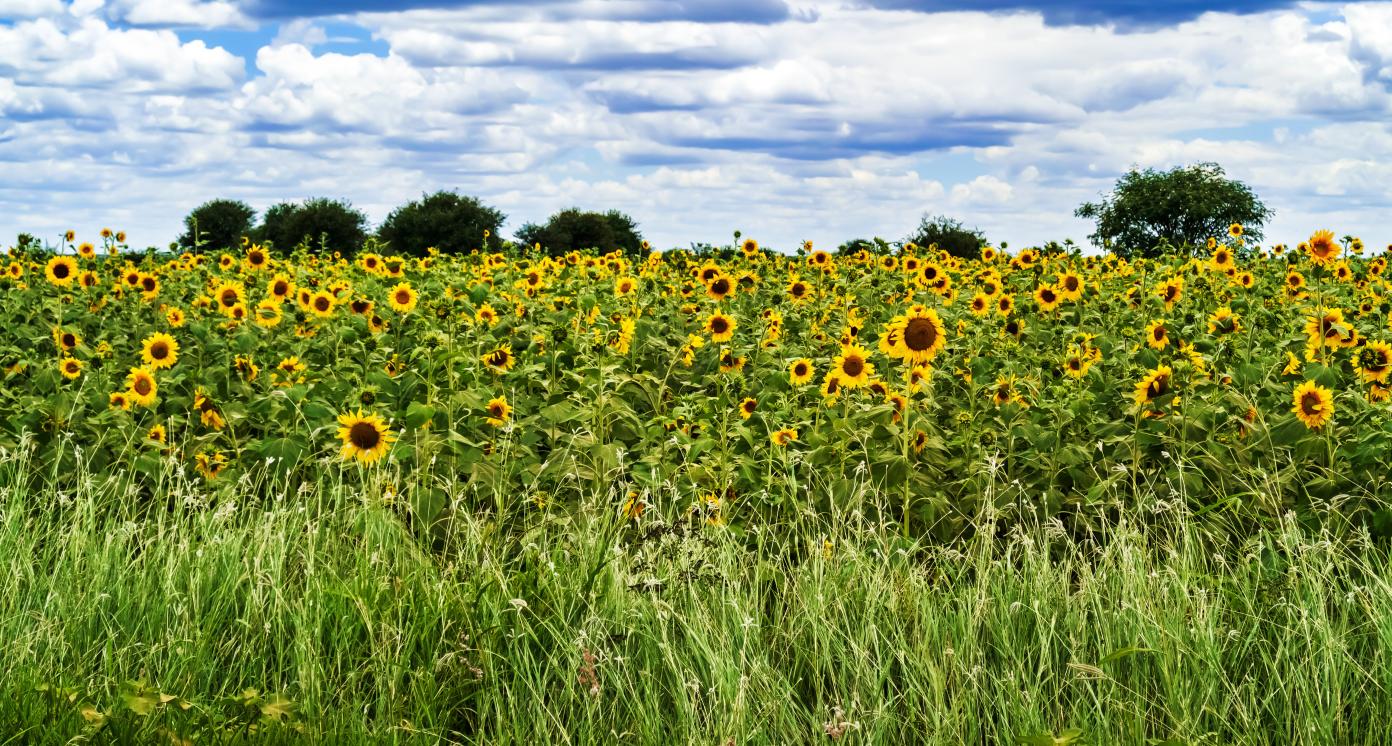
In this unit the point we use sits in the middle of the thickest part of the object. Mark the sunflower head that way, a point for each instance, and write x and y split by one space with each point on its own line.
365 438
1313 404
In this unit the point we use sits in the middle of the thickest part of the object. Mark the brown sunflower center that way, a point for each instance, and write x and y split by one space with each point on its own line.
496 410
60 270
800 370
1159 333
228 298
1071 283
720 287
159 350
364 436
1047 295
142 386
1311 403
403 297
853 365
321 303
719 325
920 334
1159 386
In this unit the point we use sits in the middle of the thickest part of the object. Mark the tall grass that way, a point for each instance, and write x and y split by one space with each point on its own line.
522 623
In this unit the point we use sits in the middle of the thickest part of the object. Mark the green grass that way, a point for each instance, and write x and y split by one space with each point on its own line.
1169 627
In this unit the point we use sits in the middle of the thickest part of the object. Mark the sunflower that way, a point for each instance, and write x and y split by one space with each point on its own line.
1156 383
86 250
747 407
1374 361
1170 291
175 317
119 400
158 434
719 287
1327 328
1322 248
268 314
800 371
65 340
60 271
403 298
1070 286
783 437
281 288
256 257
1222 259
210 464
498 411
1005 304
366 438
750 247
1047 297
917 336
1157 335
852 367
980 304
1235 230
321 304
720 327
228 295
1224 321
159 350
486 314
70 367
1313 404
798 290
625 286
500 359
141 387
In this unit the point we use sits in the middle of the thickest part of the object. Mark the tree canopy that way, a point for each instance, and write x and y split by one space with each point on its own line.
949 235
1182 207
448 221
334 225
217 224
573 229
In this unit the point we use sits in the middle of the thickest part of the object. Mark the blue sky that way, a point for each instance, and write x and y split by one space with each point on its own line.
785 119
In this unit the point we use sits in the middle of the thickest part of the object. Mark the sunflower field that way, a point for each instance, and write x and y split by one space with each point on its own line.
703 417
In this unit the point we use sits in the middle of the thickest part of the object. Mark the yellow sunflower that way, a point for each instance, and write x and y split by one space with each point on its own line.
1047 297
918 335
70 367
800 372
500 359
1322 248
159 350
720 327
366 438
498 411
403 298
852 368
1157 335
1374 361
321 304
1156 383
61 270
141 387
1224 321
1313 404
783 437
747 407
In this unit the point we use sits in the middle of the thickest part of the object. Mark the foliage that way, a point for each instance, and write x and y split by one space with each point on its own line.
448 221
320 224
573 229
949 235
1150 211
217 225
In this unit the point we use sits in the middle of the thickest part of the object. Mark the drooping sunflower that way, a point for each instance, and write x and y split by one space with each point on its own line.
918 335
852 367
1156 383
141 387
747 407
70 367
1374 361
403 298
366 438
800 372
1224 321
1322 248
1157 335
60 271
1313 404
720 327
159 350
783 436
500 359
499 412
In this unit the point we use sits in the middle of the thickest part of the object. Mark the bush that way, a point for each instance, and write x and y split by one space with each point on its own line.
448 221
574 229
1151 210
320 223
949 235
217 224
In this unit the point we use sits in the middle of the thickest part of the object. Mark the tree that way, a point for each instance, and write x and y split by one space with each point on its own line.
218 224
574 229
949 235
447 221
334 223
1182 208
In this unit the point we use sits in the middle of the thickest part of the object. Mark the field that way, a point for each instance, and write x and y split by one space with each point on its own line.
738 497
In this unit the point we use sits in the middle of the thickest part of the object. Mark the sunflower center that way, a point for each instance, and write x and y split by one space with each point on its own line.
1311 403
853 365
496 410
142 386
364 436
800 370
1159 333
60 270
403 297
720 286
159 350
1047 295
719 325
321 303
1158 387
1071 283
920 334
229 298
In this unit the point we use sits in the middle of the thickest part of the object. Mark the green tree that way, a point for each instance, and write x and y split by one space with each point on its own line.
949 235
334 225
217 224
448 221
1184 207
572 229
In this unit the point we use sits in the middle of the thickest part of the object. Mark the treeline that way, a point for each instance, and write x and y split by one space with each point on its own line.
447 221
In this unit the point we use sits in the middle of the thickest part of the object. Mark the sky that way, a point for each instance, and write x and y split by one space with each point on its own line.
788 120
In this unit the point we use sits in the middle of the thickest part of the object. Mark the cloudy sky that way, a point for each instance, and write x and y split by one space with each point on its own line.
786 119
